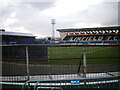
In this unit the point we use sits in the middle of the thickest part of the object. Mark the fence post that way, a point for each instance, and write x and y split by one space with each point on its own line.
84 61
27 63
0 60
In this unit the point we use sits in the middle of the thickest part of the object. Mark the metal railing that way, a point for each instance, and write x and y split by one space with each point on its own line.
101 82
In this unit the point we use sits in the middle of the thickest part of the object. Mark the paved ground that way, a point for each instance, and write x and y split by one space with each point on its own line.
20 69
16 72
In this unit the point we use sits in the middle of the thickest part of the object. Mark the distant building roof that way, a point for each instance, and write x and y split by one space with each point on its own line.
88 29
3 32
2 29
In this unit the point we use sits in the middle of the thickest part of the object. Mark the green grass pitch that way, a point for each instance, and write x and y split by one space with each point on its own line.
94 55
71 55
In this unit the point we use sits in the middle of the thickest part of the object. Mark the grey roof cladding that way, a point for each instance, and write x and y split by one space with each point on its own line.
16 34
2 29
84 29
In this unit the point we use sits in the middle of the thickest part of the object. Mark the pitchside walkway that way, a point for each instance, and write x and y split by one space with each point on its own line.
59 77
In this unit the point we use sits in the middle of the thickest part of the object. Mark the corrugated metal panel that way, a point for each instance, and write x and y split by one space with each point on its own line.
84 29
17 34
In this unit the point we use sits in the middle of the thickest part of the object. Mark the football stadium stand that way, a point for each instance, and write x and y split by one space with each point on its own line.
17 38
90 36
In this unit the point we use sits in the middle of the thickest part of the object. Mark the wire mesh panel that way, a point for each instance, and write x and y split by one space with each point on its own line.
61 62
64 59
14 61
102 58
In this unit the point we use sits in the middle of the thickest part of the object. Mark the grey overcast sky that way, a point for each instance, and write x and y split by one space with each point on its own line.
34 16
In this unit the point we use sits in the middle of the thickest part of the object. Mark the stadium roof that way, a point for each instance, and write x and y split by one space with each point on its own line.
89 29
2 29
16 34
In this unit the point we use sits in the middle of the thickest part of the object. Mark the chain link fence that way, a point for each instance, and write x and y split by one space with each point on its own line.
60 62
